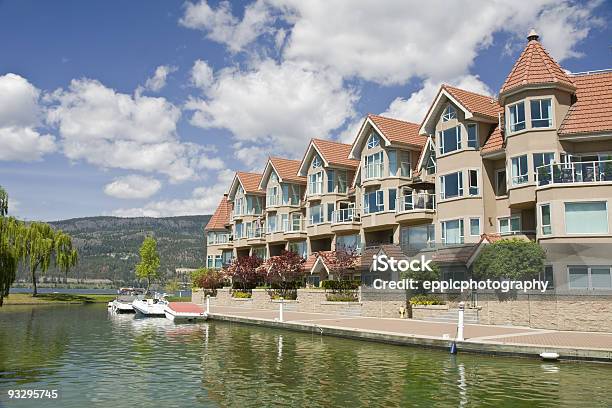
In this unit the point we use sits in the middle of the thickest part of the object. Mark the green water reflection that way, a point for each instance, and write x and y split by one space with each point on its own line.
99 360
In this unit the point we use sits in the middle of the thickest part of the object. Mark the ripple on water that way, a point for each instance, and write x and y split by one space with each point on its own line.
103 360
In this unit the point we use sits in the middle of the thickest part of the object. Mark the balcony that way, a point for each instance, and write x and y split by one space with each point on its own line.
295 229
415 207
558 174
256 235
346 220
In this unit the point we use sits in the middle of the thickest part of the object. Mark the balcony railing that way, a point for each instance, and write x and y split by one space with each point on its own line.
273 200
255 232
345 215
218 239
373 170
576 172
412 202
296 225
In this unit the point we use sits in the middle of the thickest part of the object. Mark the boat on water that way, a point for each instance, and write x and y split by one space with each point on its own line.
150 307
184 312
125 297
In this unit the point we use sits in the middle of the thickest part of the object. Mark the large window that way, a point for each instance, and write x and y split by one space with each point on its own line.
472 131
291 194
254 205
260 252
475 226
500 182
341 176
541 113
451 185
299 248
315 183
392 198
399 163
590 277
517 117
316 214
590 217
330 211
473 185
449 113
546 227
452 232
373 140
238 230
510 225
547 276
519 170
374 165
272 226
330 181
417 237
296 222
374 202
450 140
542 159
348 243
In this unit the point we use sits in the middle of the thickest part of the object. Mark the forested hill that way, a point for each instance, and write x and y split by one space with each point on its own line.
108 246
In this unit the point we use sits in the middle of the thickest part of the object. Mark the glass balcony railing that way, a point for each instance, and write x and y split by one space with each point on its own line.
218 239
576 172
345 215
273 200
373 170
412 202
258 232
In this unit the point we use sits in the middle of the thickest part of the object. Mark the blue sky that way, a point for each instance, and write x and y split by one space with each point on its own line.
147 107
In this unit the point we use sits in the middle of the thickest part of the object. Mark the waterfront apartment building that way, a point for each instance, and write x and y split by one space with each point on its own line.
534 162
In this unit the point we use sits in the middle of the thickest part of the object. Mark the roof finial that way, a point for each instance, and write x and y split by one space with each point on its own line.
533 35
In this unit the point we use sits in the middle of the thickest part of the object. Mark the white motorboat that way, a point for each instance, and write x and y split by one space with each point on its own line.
150 307
125 297
184 312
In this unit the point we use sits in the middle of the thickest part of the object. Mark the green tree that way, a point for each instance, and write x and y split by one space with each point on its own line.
11 233
513 259
148 267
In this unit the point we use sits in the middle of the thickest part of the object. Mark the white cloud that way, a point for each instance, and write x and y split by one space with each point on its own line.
414 108
275 107
19 117
158 80
221 26
203 200
201 74
133 186
115 130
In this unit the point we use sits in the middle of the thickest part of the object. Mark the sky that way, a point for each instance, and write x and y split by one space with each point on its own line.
148 107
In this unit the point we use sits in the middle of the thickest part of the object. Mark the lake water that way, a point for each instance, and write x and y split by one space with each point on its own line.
94 359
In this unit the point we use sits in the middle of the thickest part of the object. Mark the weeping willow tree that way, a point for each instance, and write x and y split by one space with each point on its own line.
36 245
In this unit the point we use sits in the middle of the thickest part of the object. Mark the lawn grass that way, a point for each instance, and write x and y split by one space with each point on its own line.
58 298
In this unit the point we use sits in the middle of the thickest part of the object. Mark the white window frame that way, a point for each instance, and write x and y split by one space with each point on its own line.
457 138
459 187
317 183
449 113
479 226
586 233
589 276
470 186
373 140
512 126
509 219
375 164
541 219
542 155
316 162
443 229
540 111
467 130
523 173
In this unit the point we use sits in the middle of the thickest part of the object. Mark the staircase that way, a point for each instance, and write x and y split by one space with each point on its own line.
470 316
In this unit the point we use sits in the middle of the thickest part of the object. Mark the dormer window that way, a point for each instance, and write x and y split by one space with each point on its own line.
449 113
316 162
373 140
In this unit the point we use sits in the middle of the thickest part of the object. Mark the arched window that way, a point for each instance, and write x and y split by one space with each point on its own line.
373 140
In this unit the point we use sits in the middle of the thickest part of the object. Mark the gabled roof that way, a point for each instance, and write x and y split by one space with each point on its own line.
221 216
471 103
248 181
592 111
392 131
535 67
285 169
332 153
494 143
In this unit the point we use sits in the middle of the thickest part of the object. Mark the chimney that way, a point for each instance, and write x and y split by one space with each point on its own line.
533 36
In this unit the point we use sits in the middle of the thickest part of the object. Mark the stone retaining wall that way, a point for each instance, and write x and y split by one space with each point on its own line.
421 312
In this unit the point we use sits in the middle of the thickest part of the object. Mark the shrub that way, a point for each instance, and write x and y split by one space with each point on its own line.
239 294
513 259
341 297
245 272
426 300
341 285
210 279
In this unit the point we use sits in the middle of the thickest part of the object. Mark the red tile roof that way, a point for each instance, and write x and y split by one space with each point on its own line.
592 111
475 103
335 153
249 181
535 66
288 169
494 143
399 131
221 215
